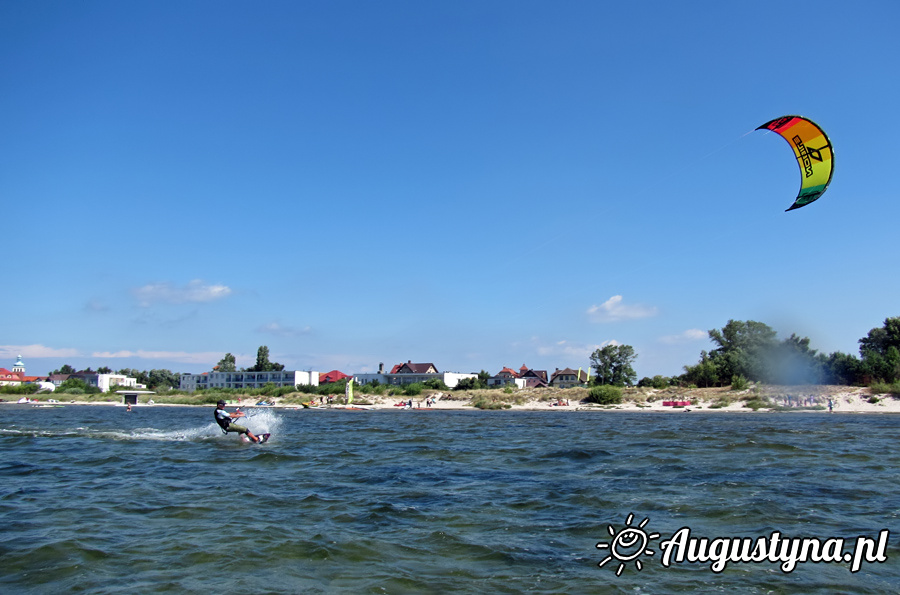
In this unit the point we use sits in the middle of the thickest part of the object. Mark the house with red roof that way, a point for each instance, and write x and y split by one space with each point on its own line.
533 378
333 376
10 378
504 377
524 378
410 373
17 375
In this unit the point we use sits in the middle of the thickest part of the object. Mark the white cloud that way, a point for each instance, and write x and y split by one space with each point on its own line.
208 358
279 330
687 336
13 351
194 292
96 305
566 350
613 310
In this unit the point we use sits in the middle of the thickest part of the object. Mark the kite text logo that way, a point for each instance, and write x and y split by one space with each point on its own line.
804 156
630 543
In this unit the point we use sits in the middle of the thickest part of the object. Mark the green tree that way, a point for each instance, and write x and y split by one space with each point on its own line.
141 376
879 340
704 374
877 367
227 364
744 349
843 368
163 380
104 370
880 352
467 384
262 362
479 382
612 365
66 369
793 362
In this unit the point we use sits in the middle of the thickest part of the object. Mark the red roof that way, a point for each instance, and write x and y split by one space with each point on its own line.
8 375
411 368
333 376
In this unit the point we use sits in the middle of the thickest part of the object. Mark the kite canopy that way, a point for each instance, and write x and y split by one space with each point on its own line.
813 152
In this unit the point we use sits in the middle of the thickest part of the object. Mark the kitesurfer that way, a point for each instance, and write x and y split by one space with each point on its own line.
225 421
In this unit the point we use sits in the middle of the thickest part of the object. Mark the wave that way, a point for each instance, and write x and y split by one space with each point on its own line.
258 422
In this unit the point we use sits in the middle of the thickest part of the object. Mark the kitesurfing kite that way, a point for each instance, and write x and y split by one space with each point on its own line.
813 152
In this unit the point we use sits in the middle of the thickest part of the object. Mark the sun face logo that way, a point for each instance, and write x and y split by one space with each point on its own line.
629 544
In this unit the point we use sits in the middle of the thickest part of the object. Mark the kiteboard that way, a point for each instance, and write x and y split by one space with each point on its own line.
263 438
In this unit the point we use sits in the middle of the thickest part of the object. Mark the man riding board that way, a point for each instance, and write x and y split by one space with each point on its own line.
226 422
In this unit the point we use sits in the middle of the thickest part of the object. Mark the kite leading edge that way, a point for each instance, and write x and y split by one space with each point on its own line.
813 152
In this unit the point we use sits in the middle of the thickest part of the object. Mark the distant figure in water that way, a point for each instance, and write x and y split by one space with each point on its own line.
128 409
225 421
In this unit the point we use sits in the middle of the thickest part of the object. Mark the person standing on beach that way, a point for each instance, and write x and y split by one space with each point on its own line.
226 422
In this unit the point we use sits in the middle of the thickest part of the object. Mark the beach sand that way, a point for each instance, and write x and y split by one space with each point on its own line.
809 399
843 399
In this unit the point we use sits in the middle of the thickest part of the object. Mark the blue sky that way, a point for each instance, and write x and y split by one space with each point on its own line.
473 184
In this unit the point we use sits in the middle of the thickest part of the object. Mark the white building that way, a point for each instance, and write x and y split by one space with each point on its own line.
107 381
247 380
410 373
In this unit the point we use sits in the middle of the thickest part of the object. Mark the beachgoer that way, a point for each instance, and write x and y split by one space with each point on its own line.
225 421
127 409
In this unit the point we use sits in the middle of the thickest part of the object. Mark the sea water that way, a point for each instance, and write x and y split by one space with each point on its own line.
95 499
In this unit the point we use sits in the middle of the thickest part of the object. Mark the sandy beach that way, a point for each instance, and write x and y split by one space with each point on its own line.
843 399
814 398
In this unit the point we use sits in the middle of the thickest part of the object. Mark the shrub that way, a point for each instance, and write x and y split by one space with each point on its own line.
411 390
19 389
436 384
757 403
881 388
658 382
485 403
605 395
374 388
738 382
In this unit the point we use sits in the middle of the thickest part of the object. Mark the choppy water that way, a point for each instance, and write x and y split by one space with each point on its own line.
97 500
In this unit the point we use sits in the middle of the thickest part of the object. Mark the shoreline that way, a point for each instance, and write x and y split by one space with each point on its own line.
806 399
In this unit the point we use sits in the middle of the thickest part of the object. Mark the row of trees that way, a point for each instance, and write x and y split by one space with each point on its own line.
162 380
751 351
746 350
229 363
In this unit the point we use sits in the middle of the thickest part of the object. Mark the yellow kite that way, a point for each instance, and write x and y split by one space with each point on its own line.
813 152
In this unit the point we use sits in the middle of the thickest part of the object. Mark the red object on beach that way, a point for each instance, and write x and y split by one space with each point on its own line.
676 403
